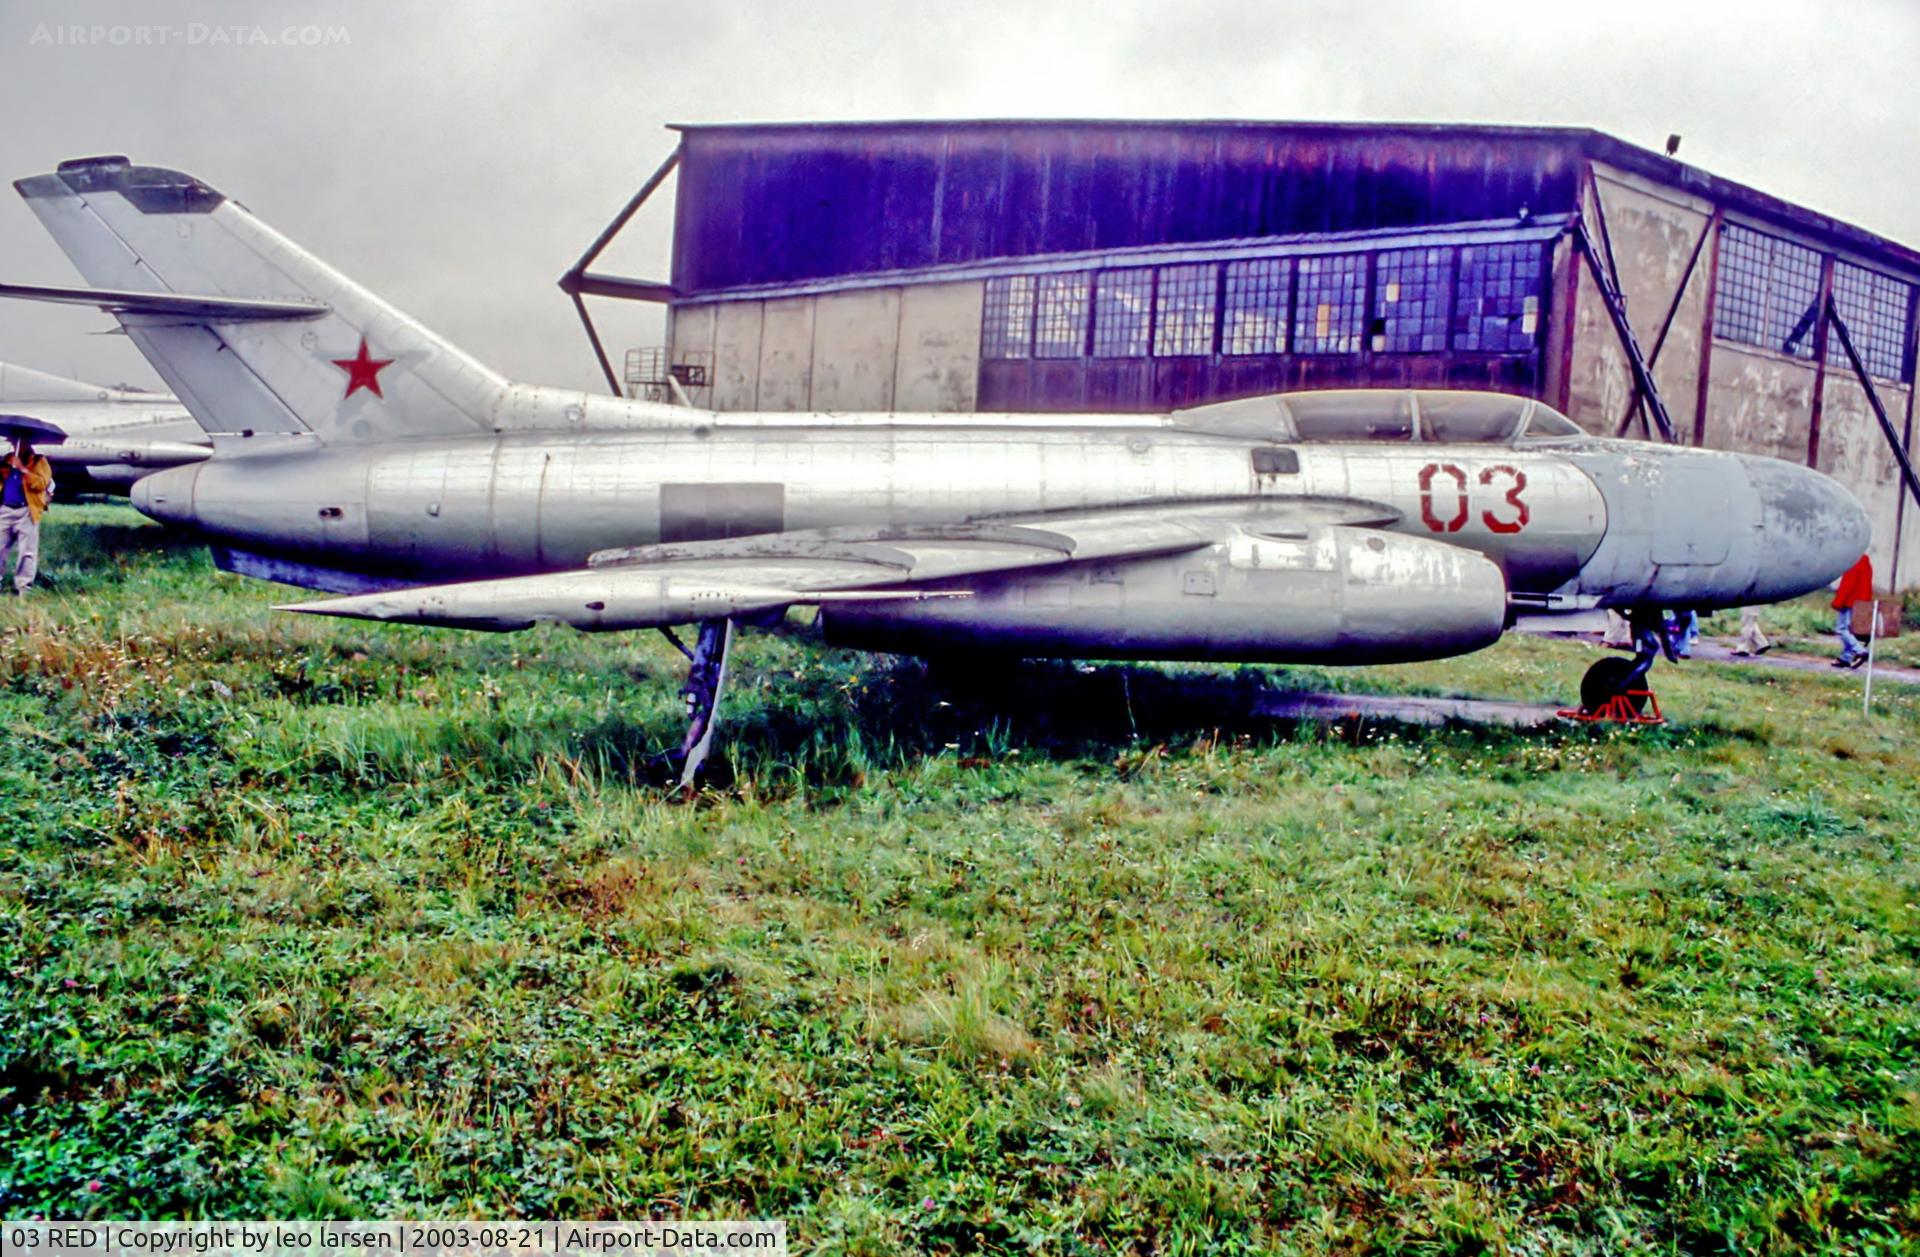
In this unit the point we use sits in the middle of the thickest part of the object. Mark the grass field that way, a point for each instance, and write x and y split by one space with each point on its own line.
302 918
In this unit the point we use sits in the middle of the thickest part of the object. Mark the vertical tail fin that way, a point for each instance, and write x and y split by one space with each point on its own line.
362 372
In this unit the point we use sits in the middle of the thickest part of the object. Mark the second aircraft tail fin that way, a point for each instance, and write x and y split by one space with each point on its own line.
24 384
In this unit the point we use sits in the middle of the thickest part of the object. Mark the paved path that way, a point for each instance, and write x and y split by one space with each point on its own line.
1417 709
1413 709
1720 650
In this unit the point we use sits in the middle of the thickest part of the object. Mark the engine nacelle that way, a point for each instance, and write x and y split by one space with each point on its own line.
1320 594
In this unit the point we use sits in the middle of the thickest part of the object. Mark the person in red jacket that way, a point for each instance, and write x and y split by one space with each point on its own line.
1856 585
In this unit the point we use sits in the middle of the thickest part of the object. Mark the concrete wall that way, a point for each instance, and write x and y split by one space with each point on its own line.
786 354
939 363
912 347
736 355
1758 402
856 350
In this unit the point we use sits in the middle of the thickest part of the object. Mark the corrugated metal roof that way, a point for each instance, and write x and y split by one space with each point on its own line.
793 204
1588 143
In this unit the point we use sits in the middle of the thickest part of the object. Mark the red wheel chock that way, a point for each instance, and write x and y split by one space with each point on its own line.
1619 710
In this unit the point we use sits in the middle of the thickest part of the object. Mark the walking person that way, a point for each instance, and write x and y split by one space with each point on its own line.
1856 585
24 494
1753 641
1683 630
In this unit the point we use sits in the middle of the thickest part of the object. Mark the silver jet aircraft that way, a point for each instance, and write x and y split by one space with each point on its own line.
110 437
359 453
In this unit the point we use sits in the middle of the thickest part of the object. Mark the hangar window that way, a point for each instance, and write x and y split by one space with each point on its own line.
1875 309
1256 308
1183 310
1006 329
1060 316
1496 305
1766 291
1410 300
1332 305
1123 313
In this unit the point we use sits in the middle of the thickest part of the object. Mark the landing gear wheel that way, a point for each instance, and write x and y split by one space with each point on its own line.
1605 680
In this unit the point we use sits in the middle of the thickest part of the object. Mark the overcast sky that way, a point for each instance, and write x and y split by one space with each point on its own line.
458 158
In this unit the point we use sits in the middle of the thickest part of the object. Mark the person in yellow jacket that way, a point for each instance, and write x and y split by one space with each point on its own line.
24 493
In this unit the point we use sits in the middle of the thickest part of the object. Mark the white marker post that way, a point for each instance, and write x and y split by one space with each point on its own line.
1866 700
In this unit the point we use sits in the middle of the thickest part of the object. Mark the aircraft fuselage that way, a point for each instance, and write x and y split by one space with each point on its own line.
1584 517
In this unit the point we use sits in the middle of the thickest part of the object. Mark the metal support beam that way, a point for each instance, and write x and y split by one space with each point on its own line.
1705 390
1873 399
1822 320
1666 324
1606 235
594 284
1617 310
576 281
621 219
1906 436
1565 322
599 352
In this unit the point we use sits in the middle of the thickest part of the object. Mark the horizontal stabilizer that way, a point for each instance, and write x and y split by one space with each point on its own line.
182 306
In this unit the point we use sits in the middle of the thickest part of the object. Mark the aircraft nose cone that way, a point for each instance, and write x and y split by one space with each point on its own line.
167 495
1811 528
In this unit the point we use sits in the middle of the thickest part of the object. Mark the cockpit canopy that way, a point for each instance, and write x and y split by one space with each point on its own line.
1366 414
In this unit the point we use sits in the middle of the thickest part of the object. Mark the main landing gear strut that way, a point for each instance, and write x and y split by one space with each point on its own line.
1615 689
706 678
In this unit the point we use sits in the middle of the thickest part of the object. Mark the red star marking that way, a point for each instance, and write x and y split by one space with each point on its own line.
363 371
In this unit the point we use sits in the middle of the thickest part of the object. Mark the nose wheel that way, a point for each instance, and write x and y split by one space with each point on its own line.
1614 690
1612 678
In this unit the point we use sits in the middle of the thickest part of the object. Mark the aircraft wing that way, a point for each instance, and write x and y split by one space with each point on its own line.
652 586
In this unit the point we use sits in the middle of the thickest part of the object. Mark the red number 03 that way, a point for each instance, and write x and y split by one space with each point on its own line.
1512 522
1520 512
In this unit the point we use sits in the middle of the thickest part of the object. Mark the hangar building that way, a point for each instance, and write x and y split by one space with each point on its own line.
1138 266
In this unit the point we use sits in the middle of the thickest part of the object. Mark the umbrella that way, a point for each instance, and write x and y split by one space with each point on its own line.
39 431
